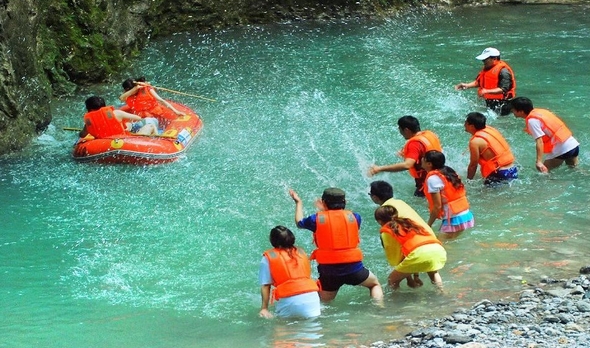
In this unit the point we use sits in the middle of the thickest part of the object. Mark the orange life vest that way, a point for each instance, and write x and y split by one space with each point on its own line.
410 240
290 275
143 100
456 198
430 142
102 123
336 237
489 79
497 144
551 123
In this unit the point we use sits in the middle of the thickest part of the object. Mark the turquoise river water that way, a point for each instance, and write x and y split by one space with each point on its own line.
167 256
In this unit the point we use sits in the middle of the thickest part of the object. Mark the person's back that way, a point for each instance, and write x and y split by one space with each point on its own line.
100 120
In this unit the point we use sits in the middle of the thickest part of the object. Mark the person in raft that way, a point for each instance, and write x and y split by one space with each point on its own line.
418 142
287 268
446 196
381 193
552 137
489 149
422 251
142 100
495 82
102 121
336 236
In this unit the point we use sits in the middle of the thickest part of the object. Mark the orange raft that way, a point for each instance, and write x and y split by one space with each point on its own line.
139 149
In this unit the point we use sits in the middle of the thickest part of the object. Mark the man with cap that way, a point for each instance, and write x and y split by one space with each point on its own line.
336 236
495 82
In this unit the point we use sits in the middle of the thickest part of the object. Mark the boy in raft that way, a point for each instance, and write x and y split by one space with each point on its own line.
102 121
381 193
552 137
336 236
422 251
446 195
287 268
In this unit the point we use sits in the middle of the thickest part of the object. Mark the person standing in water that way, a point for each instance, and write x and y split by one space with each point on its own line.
446 196
552 137
495 82
336 236
286 268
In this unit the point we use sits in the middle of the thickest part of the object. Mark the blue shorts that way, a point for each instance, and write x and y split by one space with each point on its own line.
332 282
502 176
570 154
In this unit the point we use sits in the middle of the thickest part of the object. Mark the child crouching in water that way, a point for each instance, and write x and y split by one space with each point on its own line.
422 251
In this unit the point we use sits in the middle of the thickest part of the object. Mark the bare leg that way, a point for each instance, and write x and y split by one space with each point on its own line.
411 282
372 283
552 163
395 277
572 162
417 280
327 296
436 279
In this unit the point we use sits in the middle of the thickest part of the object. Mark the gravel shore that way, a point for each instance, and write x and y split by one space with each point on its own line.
553 313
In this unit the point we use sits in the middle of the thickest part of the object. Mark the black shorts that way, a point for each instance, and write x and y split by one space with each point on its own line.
570 154
333 283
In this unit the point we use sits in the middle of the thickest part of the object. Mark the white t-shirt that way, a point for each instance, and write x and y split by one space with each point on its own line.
535 128
305 305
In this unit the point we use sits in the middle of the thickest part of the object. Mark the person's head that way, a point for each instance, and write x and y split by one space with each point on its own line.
381 191
130 83
334 198
433 160
408 126
94 103
281 237
489 56
385 214
475 121
521 106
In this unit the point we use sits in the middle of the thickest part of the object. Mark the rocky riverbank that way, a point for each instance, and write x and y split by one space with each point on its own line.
553 313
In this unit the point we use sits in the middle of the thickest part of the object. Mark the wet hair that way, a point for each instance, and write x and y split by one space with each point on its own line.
130 83
387 215
282 238
382 190
94 103
477 120
409 122
437 159
521 104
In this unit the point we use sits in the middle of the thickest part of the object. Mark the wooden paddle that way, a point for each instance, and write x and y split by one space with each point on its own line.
173 91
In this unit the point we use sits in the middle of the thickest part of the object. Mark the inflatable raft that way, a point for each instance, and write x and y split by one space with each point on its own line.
129 148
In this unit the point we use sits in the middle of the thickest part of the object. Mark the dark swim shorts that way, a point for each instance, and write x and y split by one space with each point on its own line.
334 282
570 154
501 176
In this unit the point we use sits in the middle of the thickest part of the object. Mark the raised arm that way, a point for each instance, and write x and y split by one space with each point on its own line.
298 206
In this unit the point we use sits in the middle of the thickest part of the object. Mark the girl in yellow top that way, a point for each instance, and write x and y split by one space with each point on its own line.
422 251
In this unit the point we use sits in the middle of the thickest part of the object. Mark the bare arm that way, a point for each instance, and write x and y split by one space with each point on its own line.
397 167
123 97
436 208
473 159
298 205
466 85
265 294
123 115
161 100
539 162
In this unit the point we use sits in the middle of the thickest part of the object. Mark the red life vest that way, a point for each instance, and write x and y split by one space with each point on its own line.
409 240
143 100
497 144
430 142
455 197
290 275
102 123
552 124
336 237
489 79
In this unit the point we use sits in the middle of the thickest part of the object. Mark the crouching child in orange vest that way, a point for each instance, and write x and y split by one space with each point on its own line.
336 236
287 268
422 251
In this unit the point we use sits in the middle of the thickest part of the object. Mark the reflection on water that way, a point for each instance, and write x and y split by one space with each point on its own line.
167 255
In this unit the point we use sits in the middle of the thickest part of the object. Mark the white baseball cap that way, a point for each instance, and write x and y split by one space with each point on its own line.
487 53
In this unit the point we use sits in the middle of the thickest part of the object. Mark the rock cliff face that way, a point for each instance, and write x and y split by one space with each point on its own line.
49 47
